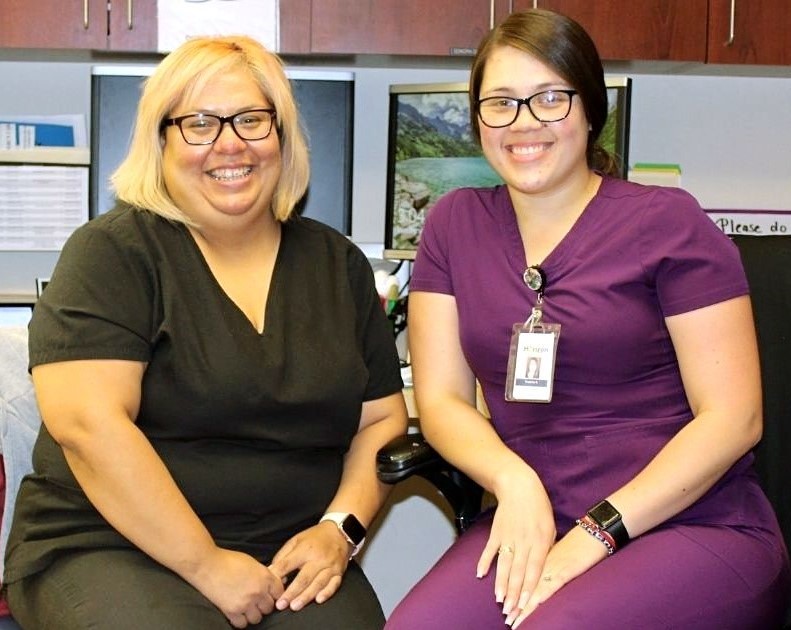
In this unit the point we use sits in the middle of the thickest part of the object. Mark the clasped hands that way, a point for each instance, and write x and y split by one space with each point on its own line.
309 567
530 565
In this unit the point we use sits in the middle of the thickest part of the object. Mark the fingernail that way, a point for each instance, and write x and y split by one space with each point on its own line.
499 597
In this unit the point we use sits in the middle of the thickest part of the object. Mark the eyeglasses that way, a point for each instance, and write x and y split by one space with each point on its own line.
548 106
251 124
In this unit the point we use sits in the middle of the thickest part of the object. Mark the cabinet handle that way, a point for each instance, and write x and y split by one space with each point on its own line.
129 20
85 14
731 25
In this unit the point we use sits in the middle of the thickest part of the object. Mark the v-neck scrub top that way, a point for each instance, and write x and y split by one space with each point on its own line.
636 255
252 427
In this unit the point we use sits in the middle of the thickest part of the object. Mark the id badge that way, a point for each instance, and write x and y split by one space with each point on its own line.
531 361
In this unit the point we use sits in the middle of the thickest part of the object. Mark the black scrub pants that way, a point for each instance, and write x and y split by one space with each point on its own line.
124 589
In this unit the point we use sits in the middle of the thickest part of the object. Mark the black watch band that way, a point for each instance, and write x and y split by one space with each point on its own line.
609 520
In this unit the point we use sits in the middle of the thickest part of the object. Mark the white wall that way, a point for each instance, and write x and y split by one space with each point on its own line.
731 136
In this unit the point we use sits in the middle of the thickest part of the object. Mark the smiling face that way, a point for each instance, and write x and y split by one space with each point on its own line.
228 184
530 156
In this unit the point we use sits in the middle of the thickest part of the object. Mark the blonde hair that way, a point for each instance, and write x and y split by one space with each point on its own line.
139 180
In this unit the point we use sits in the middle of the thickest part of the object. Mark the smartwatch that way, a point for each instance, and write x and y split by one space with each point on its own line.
609 520
351 528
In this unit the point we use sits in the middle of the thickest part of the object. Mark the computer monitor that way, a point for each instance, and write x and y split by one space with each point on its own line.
325 99
431 151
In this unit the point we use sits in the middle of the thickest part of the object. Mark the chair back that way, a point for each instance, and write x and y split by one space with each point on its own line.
767 262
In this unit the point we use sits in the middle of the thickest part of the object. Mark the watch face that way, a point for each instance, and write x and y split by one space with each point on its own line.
604 514
354 529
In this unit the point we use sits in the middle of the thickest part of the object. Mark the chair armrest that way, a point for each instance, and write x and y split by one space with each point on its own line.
410 455
405 456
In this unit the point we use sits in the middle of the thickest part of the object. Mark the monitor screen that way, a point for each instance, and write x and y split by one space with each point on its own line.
431 151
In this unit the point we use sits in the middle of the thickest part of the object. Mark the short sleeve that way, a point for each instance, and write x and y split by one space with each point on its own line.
693 262
431 271
99 301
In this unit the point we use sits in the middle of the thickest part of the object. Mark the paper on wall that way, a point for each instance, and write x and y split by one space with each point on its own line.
752 222
41 205
178 20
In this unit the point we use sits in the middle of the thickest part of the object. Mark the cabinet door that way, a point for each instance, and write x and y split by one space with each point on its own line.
398 27
648 29
750 31
53 24
133 25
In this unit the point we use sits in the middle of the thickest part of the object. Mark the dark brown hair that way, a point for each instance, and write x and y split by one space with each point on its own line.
564 46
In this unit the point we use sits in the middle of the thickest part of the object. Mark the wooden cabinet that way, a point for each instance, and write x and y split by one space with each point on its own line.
672 30
132 25
384 27
88 24
712 31
749 32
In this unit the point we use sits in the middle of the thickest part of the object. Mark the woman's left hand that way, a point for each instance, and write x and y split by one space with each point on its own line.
569 558
319 555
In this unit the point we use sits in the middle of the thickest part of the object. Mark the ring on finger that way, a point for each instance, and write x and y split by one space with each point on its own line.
506 549
547 578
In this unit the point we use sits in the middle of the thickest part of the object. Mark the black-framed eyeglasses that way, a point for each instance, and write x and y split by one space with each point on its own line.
548 106
251 124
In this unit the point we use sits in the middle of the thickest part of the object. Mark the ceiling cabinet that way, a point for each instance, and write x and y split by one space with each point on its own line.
667 30
132 25
749 32
86 24
384 27
713 31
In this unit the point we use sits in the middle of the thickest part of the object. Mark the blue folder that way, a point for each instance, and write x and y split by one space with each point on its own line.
48 135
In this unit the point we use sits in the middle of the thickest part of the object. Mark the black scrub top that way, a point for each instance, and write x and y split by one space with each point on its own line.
252 426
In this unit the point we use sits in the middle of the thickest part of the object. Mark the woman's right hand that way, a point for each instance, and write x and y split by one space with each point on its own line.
522 533
244 589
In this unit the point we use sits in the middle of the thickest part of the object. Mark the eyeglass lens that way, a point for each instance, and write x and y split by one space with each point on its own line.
549 106
254 124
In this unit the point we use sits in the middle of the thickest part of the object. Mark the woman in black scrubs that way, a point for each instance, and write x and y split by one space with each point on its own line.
215 375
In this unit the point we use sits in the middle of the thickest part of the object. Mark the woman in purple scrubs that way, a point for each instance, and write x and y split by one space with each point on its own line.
626 496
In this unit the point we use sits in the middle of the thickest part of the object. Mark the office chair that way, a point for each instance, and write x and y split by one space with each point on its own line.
410 455
767 263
